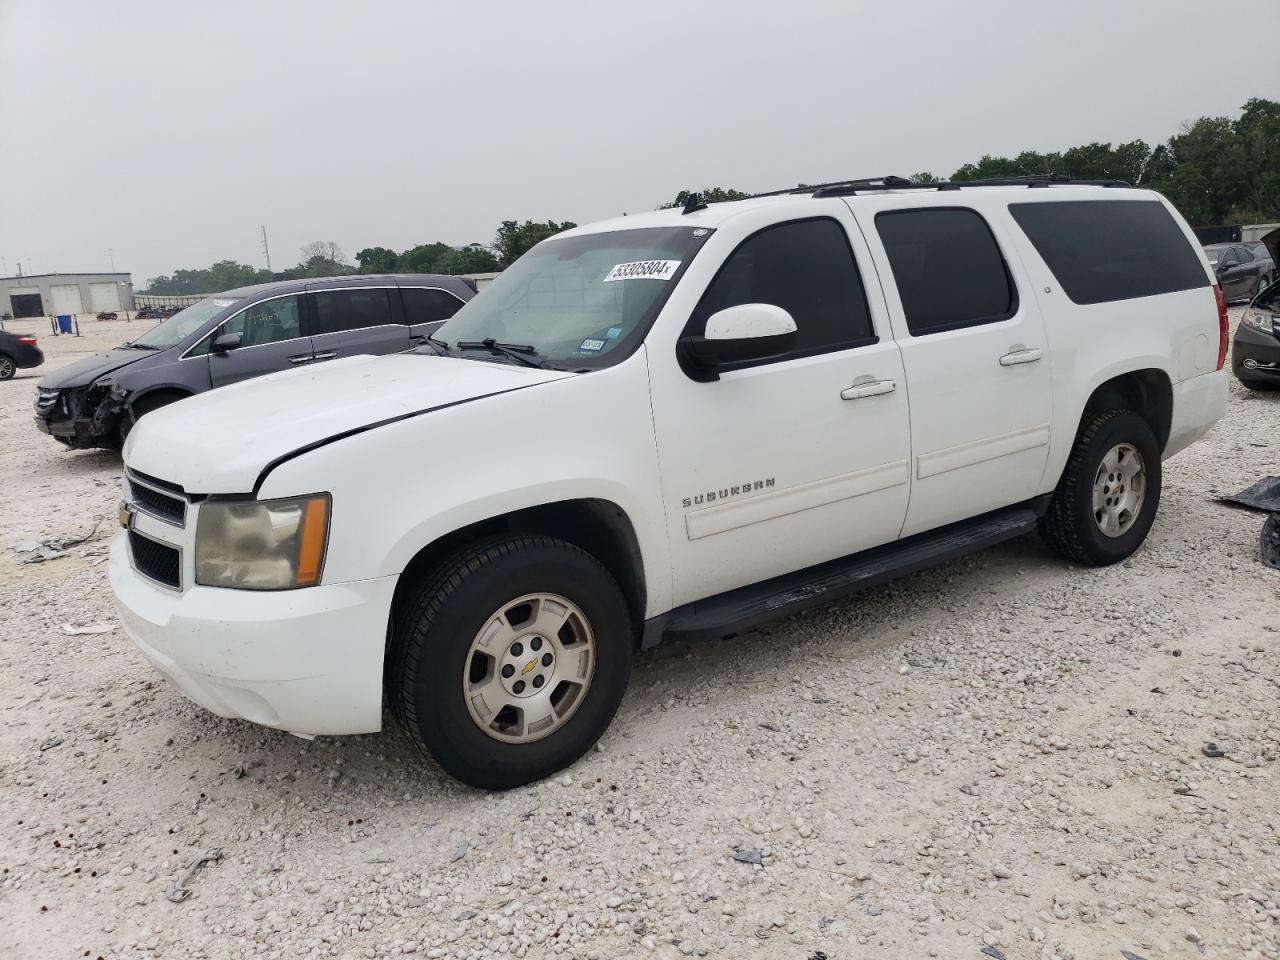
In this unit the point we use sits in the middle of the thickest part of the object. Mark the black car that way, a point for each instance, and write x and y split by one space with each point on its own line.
240 334
1255 350
17 352
1241 274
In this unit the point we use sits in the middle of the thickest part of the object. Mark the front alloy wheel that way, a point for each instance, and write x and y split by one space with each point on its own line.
529 668
509 659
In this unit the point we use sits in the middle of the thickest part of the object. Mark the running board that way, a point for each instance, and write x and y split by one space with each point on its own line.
758 603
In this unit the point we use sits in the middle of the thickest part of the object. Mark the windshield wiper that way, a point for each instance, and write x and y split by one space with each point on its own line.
517 351
137 346
443 347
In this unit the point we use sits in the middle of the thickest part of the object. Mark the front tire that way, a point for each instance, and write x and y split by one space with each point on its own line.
510 659
1109 493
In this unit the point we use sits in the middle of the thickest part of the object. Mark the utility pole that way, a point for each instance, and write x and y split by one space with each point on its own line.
266 249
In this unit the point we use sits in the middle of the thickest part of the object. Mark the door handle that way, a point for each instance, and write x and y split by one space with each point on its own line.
1021 356
872 389
301 358
326 356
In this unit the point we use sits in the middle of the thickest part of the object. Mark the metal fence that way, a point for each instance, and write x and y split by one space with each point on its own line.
164 300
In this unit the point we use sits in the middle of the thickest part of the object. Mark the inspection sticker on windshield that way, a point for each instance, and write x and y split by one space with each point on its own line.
643 270
591 346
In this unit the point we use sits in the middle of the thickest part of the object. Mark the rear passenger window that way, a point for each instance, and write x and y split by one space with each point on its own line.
1106 250
805 267
947 267
428 306
337 310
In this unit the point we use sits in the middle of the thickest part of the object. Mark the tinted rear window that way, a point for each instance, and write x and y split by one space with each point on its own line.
423 305
338 310
1106 250
947 267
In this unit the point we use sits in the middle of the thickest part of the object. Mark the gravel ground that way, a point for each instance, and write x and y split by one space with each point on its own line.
1004 752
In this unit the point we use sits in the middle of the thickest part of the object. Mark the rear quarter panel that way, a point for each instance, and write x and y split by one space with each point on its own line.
1176 333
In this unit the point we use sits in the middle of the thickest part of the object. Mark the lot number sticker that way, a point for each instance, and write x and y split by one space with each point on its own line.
643 270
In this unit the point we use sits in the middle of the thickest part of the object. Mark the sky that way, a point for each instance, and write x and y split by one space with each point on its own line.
164 133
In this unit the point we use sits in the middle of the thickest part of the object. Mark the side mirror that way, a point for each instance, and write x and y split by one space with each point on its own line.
225 342
749 331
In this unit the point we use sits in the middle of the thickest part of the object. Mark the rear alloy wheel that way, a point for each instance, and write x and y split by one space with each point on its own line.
7 367
510 659
1107 498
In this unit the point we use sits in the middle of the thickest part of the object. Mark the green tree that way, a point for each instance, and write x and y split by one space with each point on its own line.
922 178
223 275
514 239
423 258
469 259
708 195
323 258
377 260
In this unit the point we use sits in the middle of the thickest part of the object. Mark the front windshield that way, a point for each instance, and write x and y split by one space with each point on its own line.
1212 255
582 301
168 333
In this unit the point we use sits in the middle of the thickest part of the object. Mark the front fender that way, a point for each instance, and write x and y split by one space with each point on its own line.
399 487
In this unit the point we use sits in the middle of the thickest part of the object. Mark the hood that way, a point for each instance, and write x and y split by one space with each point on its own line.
1272 242
221 441
88 369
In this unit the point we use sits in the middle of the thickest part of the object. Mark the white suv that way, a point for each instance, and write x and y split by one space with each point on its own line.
675 424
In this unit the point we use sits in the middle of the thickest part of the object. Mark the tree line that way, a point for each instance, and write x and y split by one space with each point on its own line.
1216 170
324 258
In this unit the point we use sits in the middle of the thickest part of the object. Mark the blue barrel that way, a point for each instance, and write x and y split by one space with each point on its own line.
64 323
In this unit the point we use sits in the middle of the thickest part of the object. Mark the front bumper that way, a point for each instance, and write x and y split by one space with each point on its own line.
79 417
307 661
1262 349
75 433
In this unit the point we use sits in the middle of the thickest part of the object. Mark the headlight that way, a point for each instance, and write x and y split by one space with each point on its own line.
1257 320
262 544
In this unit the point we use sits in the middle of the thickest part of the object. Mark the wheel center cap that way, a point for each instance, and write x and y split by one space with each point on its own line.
528 666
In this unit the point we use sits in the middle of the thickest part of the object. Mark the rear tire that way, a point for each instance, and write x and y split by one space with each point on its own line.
1101 513
453 681
8 368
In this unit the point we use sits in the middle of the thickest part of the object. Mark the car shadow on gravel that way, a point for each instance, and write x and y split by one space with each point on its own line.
373 768
89 461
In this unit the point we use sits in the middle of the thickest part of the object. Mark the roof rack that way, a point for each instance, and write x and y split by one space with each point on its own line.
849 188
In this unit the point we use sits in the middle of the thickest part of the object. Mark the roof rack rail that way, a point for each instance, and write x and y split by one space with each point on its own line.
849 188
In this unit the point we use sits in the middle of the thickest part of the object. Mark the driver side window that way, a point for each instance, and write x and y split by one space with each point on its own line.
270 321
806 267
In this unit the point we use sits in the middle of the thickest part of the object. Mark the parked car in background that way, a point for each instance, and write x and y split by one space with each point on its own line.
237 335
1255 349
18 351
1240 273
677 423
1265 258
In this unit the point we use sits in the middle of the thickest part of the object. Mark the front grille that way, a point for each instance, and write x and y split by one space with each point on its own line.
46 399
155 560
159 504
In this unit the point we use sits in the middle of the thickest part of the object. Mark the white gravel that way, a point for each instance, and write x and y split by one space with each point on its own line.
1004 752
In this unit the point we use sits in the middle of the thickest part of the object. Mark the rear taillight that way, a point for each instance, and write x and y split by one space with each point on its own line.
29 341
1223 330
